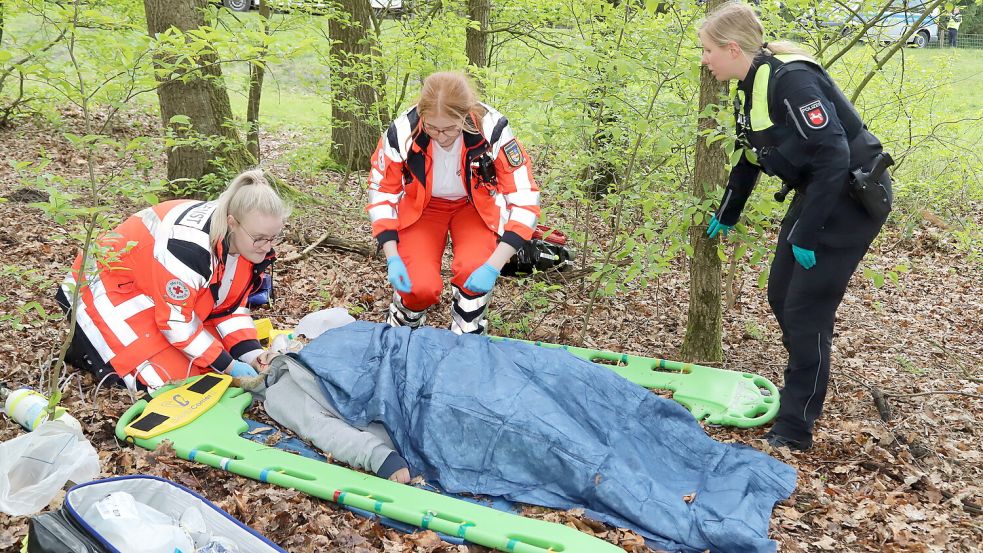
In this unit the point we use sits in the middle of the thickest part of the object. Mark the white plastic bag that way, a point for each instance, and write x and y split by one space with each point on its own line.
134 527
35 467
194 524
313 324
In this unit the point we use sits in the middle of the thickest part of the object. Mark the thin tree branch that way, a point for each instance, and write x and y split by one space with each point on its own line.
903 41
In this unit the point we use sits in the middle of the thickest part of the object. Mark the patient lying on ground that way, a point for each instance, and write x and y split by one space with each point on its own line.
530 424
294 399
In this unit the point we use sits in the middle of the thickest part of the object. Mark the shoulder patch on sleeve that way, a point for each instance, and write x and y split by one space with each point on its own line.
177 290
513 153
814 114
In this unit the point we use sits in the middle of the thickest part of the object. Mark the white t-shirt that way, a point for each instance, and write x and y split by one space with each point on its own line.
448 182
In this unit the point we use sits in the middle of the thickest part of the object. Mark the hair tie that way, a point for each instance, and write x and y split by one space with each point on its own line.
764 46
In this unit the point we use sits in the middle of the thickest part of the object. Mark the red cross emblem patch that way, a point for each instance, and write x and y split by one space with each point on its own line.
814 114
177 290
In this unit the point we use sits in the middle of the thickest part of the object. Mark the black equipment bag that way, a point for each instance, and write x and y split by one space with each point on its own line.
545 251
51 532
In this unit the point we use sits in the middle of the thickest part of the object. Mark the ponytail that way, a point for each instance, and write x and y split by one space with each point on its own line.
776 47
248 192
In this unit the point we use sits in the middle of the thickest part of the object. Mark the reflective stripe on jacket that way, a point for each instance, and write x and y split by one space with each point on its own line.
162 284
400 181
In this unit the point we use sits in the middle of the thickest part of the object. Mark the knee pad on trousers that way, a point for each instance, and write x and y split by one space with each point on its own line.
468 313
400 315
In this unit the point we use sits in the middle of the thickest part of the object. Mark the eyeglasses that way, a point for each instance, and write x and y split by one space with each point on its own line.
262 240
449 131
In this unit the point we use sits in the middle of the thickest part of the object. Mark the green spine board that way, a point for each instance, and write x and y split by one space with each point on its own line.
718 396
214 439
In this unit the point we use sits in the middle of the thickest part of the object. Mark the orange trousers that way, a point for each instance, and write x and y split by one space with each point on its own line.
422 244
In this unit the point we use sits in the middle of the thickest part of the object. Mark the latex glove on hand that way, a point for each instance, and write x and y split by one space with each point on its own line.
482 280
398 276
716 227
806 258
238 369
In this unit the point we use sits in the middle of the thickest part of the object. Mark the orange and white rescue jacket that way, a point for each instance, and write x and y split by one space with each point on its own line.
163 286
401 179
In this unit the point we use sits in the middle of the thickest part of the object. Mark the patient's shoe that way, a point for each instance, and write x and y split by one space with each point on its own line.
777 440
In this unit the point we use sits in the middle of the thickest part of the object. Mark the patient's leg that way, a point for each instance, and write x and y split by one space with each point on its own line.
290 403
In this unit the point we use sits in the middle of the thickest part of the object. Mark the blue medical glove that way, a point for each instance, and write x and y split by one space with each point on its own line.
398 275
482 280
716 226
806 258
240 369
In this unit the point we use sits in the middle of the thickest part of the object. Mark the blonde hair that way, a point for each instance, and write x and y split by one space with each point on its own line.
736 22
450 93
248 192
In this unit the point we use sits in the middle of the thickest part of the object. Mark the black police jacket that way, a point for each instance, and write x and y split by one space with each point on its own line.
807 133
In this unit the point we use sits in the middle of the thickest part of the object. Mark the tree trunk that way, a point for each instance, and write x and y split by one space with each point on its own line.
703 327
217 148
256 73
355 99
476 45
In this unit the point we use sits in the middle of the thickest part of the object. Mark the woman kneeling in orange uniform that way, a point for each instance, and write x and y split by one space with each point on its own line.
450 164
169 300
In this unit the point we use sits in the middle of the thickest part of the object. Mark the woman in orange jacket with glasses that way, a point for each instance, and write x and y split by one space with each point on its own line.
168 299
450 165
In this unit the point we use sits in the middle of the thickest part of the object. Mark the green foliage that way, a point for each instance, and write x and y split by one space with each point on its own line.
754 331
594 89
879 277
908 366
23 312
538 297
181 134
970 240
313 157
79 67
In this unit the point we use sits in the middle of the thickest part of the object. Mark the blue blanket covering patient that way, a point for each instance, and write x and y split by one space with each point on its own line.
543 427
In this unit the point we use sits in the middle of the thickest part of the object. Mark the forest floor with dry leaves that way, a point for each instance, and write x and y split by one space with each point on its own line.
911 483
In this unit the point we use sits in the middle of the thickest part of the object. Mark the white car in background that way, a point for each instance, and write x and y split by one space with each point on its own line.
380 6
892 24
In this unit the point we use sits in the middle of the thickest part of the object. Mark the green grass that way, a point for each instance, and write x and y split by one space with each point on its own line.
288 100
964 95
285 108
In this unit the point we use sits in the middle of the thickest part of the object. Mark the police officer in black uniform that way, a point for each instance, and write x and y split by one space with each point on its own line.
793 122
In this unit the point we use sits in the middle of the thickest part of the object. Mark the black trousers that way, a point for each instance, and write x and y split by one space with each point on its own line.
83 355
805 303
952 37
